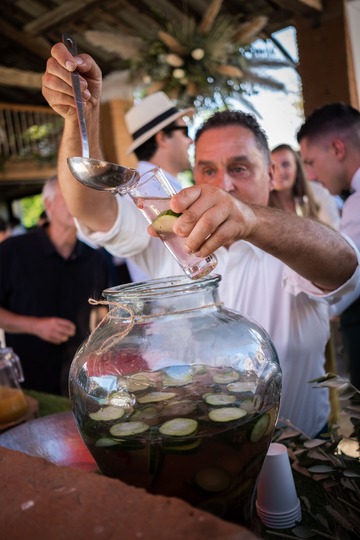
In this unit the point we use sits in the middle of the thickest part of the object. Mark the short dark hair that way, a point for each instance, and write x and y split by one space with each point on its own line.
146 151
237 118
337 118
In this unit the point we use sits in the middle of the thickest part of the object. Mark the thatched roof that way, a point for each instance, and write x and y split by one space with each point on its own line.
29 29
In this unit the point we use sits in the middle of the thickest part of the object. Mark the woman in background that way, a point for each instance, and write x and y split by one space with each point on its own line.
292 191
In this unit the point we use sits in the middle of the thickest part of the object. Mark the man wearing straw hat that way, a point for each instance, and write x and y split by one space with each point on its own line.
160 135
278 269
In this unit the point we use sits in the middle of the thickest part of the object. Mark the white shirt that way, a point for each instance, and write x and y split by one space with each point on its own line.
292 310
328 209
350 218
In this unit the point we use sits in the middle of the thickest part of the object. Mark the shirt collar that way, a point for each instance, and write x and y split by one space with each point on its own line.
49 248
355 182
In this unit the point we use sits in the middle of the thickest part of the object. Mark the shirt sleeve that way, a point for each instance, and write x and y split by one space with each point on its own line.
127 237
338 299
350 221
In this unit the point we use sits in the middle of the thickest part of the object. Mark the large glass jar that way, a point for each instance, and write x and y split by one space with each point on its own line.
176 394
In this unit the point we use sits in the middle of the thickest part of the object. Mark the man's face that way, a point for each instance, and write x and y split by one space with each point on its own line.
322 164
228 157
58 210
178 147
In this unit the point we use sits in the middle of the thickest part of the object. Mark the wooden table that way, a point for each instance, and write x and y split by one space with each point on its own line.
54 437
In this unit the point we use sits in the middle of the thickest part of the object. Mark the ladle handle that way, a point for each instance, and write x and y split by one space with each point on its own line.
71 46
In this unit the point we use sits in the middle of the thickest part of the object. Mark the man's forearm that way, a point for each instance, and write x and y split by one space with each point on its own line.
313 250
96 209
14 323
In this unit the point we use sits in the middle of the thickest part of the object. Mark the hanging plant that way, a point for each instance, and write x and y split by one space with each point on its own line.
194 62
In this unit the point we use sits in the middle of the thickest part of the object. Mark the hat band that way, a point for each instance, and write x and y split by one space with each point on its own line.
154 122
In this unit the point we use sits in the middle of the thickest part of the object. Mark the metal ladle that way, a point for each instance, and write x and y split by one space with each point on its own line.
94 173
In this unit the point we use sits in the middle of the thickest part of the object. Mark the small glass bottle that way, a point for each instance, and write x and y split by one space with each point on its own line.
13 404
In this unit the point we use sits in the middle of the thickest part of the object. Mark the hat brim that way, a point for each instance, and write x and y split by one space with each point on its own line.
146 136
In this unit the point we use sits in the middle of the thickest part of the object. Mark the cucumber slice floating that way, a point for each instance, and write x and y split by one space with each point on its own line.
179 408
148 414
182 448
226 378
108 413
227 414
179 427
106 442
213 479
242 386
260 428
155 397
128 428
219 399
164 222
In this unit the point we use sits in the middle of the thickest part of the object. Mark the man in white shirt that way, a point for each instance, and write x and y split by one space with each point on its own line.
277 268
330 148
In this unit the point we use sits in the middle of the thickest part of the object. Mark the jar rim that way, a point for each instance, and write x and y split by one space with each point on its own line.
162 286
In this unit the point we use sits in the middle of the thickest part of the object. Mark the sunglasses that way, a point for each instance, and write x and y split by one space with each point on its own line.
184 129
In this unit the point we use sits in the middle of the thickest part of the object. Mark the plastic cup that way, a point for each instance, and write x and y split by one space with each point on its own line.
277 502
152 194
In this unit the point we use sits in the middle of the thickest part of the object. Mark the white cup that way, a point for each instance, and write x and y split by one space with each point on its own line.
277 503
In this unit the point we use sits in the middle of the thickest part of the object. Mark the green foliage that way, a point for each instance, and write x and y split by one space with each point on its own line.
30 210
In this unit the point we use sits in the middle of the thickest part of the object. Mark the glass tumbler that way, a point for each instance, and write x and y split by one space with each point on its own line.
152 194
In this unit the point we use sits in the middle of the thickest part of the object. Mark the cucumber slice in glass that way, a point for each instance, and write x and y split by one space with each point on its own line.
226 378
242 386
128 428
164 222
155 397
260 428
227 414
179 427
219 399
213 479
106 414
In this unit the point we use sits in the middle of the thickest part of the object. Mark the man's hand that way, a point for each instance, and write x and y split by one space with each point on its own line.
211 218
56 82
53 329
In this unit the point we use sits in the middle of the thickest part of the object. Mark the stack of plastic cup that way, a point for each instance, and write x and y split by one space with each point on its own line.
277 503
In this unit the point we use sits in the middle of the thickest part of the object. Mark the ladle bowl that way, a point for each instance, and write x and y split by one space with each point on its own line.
102 175
94 173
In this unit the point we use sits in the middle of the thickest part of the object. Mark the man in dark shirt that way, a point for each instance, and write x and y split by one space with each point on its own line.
46 279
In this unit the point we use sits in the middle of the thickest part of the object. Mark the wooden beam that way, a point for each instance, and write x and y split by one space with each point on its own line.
19 78
64 12
37 45
299 6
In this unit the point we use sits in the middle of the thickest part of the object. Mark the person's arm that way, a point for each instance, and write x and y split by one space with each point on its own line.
52 329
95 209
212 218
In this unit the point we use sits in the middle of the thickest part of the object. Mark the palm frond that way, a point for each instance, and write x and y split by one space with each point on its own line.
125 46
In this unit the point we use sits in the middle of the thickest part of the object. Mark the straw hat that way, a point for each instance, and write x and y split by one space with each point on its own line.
151 115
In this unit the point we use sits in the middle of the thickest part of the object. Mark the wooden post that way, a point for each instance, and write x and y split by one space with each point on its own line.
115 136
325 58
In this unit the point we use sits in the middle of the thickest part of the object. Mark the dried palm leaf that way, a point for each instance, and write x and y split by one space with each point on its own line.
125 46
230 71
266 82
209 17
192 88
118 85
156 86
249 31
171 42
